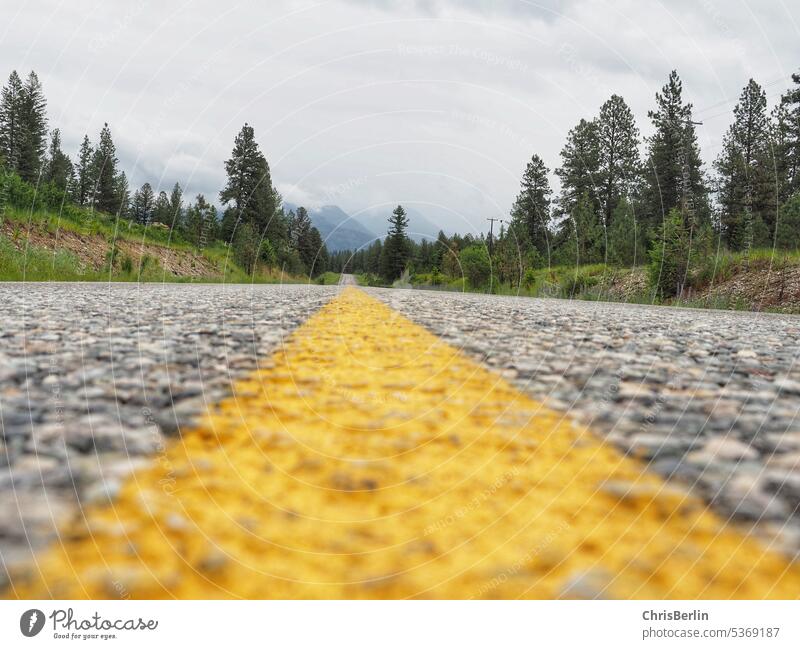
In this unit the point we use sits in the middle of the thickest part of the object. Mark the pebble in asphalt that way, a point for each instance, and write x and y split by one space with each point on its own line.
707 398
95 377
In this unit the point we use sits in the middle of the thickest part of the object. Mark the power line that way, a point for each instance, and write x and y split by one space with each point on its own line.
725 102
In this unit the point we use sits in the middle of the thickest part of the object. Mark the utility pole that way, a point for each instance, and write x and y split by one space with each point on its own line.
491 228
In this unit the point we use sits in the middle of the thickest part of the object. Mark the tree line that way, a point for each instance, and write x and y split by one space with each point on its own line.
35 172
626 200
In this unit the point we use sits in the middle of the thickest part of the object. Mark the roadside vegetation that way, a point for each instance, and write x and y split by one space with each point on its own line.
64 218
638 220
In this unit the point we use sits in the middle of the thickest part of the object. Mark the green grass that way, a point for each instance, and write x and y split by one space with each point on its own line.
370 279
328 278
34 264
613 284
37 265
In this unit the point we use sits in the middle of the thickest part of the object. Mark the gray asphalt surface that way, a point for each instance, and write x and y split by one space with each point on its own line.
95 378
708 398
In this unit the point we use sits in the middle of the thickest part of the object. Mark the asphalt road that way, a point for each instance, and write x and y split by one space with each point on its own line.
709 399
95 379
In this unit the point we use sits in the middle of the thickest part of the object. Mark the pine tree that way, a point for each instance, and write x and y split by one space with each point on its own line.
396 250
123 195
249 187
33 134
618 154
586 242
104 171
161 209
791 132
176 206
673 168
200 222
229 225
532 206
319 261
579 168
143 205
303 240
625 241
781 145
83 193
59 167
440 249
787 235
671 256
11 122
746 181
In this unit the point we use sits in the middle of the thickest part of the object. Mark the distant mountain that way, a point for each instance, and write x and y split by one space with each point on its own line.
419 227
339 230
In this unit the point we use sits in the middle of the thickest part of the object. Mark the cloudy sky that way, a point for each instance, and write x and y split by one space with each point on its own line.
437 104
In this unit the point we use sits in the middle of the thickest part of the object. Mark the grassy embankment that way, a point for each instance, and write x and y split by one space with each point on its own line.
757 280
84 245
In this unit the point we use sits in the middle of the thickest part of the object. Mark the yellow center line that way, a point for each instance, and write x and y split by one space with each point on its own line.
368 459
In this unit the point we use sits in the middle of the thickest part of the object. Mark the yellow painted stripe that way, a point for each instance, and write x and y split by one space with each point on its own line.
369 459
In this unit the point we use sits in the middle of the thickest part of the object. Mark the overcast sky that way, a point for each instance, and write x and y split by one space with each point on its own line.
437 104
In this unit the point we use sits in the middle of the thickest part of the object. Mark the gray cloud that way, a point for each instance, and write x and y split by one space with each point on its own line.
436 103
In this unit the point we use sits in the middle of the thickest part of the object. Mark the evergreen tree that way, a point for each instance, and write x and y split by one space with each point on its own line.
618 154
532 206
787 235
424 257
670 257
781 144
200 222
59 167
673 169
373 256
319 262
396 249
790 101
124 195
746 180
11 101
440 249
586 241
104 173
229 224
161 209
580 163
625 242
33 134
249 187
176 206
306 240
143 205
83 193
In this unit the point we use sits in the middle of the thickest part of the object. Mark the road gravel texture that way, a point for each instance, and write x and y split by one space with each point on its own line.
94 379
709 399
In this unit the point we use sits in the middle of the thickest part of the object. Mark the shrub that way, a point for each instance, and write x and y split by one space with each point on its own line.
127 265
529 279
475 265
246 247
